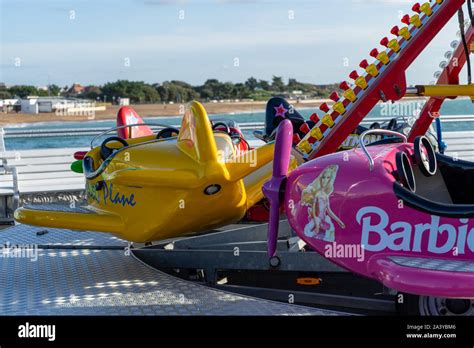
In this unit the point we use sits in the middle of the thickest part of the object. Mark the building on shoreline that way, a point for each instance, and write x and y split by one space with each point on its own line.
36 105
10 105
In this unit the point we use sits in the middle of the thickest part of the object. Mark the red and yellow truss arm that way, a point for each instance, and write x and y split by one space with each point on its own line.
383 79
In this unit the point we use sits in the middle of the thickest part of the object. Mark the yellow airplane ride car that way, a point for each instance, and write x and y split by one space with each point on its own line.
147 189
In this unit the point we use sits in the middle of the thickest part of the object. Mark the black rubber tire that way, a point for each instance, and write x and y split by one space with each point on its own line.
415 305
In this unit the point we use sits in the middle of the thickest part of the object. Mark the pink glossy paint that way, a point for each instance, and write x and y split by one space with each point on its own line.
335 203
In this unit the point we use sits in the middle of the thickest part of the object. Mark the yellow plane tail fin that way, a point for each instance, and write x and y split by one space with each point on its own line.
196 138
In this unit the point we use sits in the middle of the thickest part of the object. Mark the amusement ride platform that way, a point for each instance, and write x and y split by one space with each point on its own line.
88 273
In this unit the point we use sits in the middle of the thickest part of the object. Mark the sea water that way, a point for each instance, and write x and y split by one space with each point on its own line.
457 107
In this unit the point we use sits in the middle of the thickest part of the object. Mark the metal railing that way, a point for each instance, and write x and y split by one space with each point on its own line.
61 132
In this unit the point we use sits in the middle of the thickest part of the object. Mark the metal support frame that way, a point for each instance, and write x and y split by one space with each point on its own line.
449 75
244 249
302 297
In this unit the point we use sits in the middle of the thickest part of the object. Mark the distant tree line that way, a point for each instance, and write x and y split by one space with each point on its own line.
23 91
178 91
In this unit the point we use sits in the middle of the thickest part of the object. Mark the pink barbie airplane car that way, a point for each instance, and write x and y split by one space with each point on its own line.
394 211
410 209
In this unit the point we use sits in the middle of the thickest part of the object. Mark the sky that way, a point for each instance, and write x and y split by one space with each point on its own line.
96 41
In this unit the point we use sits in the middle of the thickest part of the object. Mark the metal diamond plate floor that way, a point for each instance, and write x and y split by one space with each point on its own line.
25 234
108 282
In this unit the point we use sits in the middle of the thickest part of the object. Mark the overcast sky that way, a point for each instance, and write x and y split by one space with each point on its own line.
95 41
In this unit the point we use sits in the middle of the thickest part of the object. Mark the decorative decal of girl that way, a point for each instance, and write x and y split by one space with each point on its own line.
316 197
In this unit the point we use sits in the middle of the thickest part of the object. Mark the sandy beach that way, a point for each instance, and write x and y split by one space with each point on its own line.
149 110
158 110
